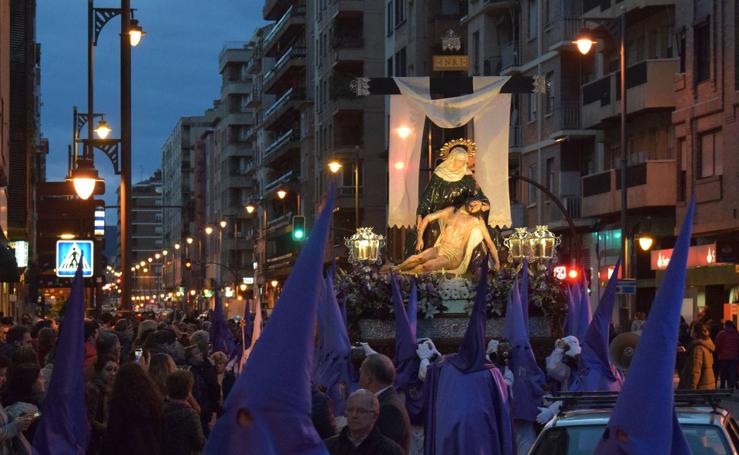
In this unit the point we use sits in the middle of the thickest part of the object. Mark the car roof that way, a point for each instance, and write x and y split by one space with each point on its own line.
695 415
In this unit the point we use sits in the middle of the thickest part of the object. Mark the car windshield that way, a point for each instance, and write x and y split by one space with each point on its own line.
582 440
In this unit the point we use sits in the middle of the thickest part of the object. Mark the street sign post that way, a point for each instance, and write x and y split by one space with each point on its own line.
626 286
69 254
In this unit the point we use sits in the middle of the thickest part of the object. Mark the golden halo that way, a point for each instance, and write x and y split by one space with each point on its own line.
469 145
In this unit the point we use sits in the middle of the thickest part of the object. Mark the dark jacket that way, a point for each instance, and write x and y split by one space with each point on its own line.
393 421
727 344
183 434
133 429
321 414
206 391
374 444
96 401
698 370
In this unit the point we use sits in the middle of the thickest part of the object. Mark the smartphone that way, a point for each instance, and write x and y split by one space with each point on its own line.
138 353
36 415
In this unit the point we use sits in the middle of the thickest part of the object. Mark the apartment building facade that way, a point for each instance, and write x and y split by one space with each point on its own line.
229 160
146 234
706 93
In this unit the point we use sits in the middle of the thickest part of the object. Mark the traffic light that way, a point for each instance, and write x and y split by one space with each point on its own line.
298 228
188 263
570 273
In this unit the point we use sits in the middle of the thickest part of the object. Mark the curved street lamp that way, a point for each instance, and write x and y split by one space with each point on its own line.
84 177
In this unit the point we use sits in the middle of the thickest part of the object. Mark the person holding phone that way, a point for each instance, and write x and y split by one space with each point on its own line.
11 429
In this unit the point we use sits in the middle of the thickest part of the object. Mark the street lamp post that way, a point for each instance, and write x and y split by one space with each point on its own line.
584 44
125 188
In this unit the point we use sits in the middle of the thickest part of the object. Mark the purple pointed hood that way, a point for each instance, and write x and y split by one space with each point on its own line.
413 307
643 420
528 377
220 337
584 310
63 427
595 344
268 410
471 355
570 324
525 291
405 359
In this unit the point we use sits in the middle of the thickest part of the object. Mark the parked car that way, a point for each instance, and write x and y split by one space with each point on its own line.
708 428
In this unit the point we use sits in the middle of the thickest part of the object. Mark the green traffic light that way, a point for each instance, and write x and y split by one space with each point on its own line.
298 235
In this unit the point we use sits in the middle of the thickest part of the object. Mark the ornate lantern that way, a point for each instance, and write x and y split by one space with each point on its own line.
517 244
364 246
543 244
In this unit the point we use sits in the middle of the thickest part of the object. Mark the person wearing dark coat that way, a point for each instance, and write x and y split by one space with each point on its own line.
361 436
321 413
377 374
183 433
727 351
206 390
135 415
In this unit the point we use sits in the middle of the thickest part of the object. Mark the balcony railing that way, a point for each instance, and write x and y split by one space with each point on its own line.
292 52
278 28
284 178
279 142
511 56
278 103
347 41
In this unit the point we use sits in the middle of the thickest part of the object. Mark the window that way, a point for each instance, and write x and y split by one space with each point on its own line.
682 177
549 105
532 107
400 63
702 51
399 12
709 155
389 15
390 67
550 174
533 18
244 103
532 188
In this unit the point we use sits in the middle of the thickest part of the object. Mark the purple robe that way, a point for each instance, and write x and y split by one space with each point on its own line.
467 413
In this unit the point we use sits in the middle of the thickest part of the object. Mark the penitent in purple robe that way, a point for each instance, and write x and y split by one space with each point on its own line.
467 407
468 413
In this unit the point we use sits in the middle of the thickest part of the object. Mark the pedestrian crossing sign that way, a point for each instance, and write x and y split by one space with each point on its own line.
69 254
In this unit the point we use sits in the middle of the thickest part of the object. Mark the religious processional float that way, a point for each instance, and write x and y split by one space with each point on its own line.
449 229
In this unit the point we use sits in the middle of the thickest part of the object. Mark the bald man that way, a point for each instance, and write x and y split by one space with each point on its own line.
361 436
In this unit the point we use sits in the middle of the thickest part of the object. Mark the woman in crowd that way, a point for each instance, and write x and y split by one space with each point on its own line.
24 393
11 429
135 416
698 370
97 397
225 378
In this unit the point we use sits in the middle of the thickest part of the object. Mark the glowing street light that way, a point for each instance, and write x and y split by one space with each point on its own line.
645 242
584 42
135 32
208 230
223 224
84 177
334 166
177 246
189 240
250 208
103 130
281 193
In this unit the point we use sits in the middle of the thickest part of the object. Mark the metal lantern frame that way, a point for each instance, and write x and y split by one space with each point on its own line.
365 247
539 245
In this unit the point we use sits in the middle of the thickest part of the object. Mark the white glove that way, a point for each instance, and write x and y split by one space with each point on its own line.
492 346
426 349
368 351
422 369
548 412
509 377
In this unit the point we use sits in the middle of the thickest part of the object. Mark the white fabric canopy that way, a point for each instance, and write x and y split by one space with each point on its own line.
490 111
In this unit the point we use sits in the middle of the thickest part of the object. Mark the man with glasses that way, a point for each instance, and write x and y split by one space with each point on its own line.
360 436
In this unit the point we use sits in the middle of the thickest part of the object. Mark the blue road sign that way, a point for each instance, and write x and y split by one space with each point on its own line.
69 254
626 286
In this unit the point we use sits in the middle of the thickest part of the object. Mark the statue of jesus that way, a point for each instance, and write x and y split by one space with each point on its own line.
462 230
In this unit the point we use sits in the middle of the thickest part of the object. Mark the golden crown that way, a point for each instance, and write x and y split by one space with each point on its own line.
469 145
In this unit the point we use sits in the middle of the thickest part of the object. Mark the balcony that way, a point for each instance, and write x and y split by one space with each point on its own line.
651 184
646 87
278 181
338 8
274 9
277 114
291 23
285 68
510 58
280 221
287 141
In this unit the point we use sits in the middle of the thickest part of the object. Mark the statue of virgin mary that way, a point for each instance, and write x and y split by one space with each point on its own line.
451 184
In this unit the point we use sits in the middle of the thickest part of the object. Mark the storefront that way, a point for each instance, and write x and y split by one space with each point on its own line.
711 286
